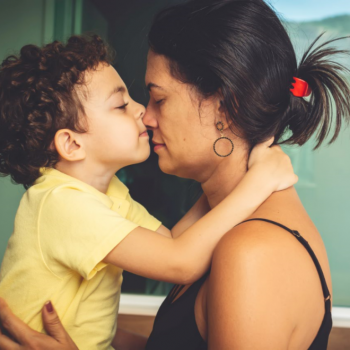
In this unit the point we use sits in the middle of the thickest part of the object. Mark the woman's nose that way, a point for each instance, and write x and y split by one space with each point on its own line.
149 120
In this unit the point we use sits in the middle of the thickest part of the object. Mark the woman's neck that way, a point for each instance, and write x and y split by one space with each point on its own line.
225 177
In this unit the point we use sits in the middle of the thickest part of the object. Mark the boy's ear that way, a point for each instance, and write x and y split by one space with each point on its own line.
69 146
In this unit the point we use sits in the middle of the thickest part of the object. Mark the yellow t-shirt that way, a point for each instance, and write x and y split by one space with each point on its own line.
63 230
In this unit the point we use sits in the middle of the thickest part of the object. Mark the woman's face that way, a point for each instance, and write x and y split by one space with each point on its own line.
183 128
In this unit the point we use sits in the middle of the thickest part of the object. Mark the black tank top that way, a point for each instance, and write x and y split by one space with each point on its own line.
175 326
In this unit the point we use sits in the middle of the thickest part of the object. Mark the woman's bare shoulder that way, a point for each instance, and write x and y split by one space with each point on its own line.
253 237
257 271
249 287
259 254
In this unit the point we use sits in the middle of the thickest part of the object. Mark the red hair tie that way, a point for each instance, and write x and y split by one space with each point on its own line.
300 88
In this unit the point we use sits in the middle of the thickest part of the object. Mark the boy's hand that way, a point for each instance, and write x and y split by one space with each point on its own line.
272 165
26 338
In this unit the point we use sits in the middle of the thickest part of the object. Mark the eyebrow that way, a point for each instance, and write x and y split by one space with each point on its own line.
151 86
115 91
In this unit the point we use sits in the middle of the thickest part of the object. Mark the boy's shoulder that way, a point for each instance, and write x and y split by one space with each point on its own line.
117 188
57 188
53 179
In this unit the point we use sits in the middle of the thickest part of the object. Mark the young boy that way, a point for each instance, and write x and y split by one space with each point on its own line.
67 125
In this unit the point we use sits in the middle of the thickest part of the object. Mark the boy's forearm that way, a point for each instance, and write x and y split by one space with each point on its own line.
199 241
198 210
186 258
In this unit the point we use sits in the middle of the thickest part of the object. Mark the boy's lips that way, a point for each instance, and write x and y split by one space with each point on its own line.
144 134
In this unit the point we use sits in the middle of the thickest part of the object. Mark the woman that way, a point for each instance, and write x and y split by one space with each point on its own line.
225 73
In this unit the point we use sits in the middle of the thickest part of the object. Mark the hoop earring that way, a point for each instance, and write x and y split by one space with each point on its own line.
220 127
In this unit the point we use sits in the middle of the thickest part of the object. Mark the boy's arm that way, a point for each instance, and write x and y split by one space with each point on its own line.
184 259
198 210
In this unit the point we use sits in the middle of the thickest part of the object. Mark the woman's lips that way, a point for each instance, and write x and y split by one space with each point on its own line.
144 134
158 146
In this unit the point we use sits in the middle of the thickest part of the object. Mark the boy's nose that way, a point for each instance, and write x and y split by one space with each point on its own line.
149 120
140 111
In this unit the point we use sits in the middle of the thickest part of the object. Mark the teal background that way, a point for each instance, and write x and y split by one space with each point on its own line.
324 185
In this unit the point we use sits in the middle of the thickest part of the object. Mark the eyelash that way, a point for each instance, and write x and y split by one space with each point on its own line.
123 106
159 101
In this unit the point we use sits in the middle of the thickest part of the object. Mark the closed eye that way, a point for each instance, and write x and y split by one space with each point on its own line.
123 106
159 101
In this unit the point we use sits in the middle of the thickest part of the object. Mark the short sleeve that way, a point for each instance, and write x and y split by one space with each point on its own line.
77 230
139 215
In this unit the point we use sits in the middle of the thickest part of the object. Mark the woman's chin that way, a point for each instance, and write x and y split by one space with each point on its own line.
166 166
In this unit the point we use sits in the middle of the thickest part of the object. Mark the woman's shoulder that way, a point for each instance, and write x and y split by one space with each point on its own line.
253 283
261 253
255 237
261 273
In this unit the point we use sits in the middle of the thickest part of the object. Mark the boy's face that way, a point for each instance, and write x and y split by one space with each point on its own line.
116 135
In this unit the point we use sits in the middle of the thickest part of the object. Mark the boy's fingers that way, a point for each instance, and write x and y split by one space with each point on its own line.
296 179
269 142
52 323
261 147
12 324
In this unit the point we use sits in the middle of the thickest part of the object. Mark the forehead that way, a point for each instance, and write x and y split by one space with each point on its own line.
158 70
158 73
101 81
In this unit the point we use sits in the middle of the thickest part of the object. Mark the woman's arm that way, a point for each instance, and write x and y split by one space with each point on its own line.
23 337
186 258
125 340
250 294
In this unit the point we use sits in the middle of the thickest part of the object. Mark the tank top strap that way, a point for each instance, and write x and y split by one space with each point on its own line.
175 291
305 243
192 290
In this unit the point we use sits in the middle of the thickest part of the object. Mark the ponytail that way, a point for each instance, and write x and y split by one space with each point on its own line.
330 96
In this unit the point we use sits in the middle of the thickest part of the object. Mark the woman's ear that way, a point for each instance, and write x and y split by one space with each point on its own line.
220 107
221 121
69 146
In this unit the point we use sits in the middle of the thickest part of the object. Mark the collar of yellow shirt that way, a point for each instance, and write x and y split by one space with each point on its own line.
115 197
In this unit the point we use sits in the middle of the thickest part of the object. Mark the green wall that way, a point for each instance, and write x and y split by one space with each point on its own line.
324 190
30 22
21 22
324 174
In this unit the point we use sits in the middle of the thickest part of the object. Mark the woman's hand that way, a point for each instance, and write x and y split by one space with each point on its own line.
23 337
273 166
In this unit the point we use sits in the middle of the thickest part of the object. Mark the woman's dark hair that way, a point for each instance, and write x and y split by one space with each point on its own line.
38 98
240 49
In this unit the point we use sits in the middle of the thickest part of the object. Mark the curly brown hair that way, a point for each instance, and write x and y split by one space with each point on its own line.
38 98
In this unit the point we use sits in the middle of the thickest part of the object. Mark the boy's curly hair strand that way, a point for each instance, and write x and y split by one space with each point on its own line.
38 98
